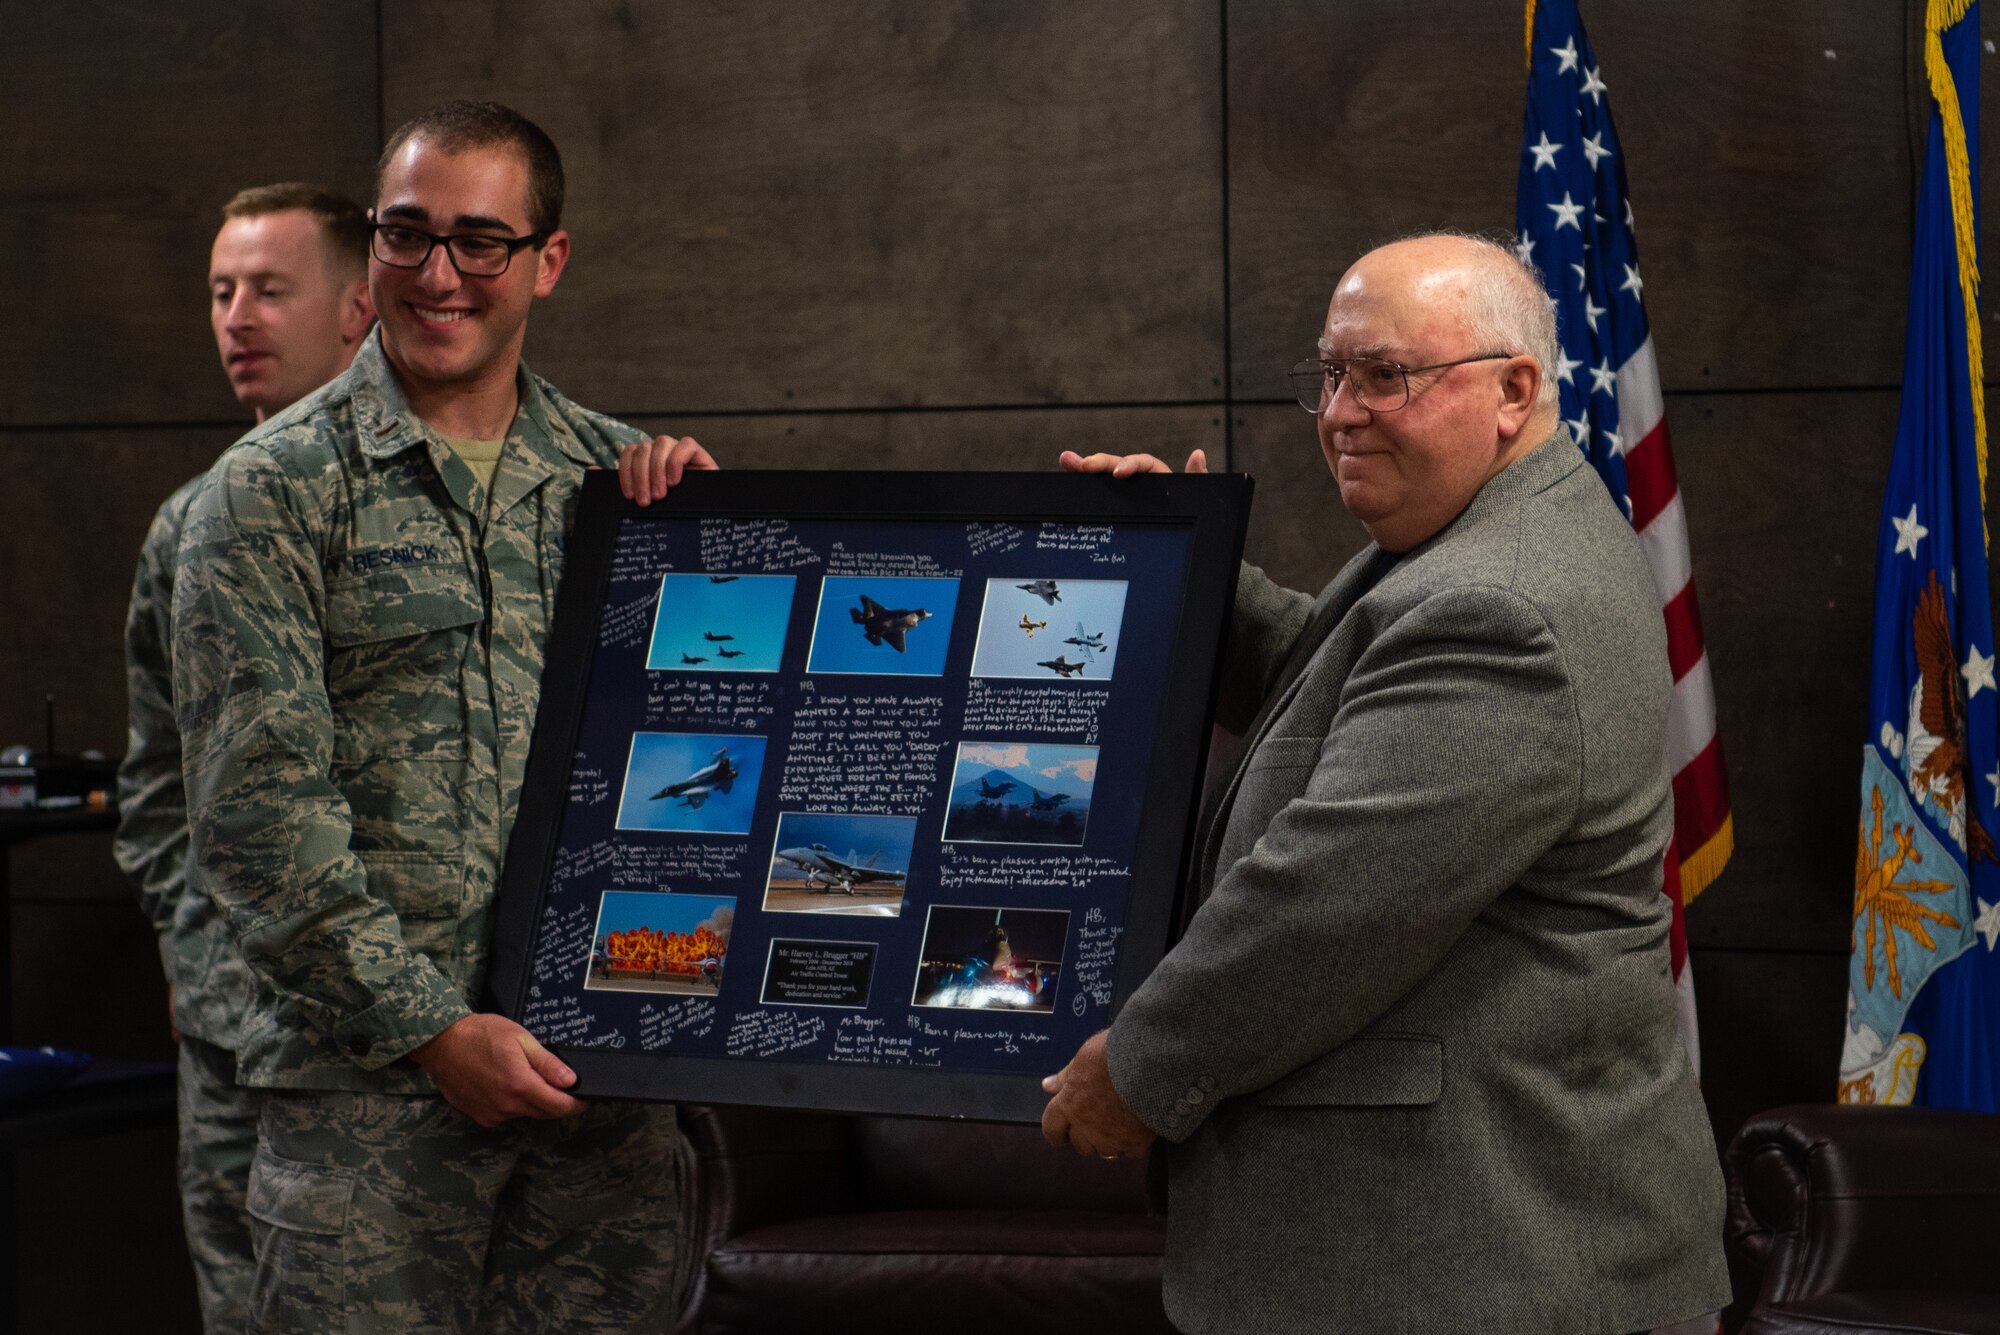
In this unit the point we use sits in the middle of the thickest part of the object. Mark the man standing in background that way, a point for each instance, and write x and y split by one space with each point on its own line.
288 300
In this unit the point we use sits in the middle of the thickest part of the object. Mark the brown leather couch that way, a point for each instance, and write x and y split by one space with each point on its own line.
820 1223
1847 1220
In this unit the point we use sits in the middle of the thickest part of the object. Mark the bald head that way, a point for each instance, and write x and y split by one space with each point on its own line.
1498 301
1476 325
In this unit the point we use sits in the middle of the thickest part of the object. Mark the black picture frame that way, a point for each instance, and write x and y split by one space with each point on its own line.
1202 515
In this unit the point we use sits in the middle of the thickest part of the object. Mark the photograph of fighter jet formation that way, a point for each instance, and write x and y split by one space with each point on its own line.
854 866
720 623
691 783
1078 641
888 625
1020 793
647 941
978 958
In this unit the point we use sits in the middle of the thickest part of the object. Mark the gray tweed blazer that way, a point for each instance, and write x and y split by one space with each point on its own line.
1414 1063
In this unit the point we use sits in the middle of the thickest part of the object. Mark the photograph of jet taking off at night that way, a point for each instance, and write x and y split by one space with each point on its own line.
842 864
890 625
1091 615
721 623
696 783
991 958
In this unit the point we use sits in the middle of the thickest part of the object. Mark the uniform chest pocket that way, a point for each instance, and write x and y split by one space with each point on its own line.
400 643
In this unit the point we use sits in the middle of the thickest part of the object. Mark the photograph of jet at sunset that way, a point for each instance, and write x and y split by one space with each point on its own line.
1020 793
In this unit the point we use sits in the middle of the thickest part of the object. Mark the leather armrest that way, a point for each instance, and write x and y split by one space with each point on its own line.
757 1166
1829 1198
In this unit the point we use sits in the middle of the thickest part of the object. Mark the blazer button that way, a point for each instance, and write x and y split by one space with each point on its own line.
1194 1096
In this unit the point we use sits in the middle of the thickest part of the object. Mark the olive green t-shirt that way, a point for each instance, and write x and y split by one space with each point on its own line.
481 456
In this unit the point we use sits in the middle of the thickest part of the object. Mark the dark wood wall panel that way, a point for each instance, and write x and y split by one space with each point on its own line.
99 1229
72 548
129 125
1770 181
892 203
1025 440
1783 496
109 999
1299 532
1771 1030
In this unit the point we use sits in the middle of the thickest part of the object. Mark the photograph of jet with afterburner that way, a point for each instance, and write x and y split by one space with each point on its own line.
850 865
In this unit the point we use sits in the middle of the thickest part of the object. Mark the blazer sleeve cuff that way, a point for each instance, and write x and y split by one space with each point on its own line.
1170 1106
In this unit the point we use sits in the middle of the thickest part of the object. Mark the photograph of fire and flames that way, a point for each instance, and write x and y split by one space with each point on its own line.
650 941
991 958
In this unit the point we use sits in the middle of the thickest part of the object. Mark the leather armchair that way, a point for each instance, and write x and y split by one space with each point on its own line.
1856 1219
824 1223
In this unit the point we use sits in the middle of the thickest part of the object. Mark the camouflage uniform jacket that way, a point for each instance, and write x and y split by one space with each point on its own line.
358 654
212 985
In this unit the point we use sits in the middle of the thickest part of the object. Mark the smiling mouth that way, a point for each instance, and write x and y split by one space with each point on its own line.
439 317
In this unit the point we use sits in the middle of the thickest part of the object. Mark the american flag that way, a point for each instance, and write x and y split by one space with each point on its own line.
1574 224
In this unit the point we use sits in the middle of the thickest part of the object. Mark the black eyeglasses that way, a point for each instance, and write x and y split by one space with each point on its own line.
1377 385
473 255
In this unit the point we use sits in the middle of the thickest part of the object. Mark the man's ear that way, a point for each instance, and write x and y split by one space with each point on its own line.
1520 386
549 262
357 311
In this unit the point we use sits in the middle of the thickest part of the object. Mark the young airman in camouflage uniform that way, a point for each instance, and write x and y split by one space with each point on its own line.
360 612
288 283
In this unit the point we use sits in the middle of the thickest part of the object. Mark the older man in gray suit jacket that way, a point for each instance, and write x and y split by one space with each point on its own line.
1414 1061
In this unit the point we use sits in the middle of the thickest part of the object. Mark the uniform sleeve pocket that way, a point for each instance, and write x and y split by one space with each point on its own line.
399 602
1406 1070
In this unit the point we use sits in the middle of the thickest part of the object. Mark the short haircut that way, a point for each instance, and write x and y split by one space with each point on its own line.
458 126
1507 309
342 223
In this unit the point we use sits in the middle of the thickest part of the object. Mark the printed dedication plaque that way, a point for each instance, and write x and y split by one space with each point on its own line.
863 791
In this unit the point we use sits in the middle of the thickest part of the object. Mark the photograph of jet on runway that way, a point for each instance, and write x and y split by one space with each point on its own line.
1024 634
692 783
984 958
1020 793
720 623
648 941
843 864
892 625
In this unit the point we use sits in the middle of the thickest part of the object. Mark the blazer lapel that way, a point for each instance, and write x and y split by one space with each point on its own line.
1355 578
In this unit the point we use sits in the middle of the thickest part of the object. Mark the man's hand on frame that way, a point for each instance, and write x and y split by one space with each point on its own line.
1127 465
1086 1112
649 469
493 1070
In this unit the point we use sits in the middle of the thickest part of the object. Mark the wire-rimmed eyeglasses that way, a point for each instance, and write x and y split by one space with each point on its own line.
1377 385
